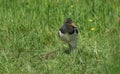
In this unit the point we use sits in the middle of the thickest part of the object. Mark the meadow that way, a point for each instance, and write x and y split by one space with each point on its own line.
29 42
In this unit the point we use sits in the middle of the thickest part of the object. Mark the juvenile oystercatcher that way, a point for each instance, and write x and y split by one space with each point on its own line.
69 33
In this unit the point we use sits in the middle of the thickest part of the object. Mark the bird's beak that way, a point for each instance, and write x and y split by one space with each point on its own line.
73 25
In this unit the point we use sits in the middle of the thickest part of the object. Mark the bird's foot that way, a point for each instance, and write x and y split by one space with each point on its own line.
68 51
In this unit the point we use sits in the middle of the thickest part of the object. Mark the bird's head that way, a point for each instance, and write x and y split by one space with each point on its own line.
68 22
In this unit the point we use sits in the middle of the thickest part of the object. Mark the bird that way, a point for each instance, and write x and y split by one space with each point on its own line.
68 33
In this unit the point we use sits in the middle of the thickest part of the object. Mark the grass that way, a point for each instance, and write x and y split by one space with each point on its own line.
28 37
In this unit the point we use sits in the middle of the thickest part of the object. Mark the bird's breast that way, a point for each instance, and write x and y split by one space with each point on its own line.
64 37
67 37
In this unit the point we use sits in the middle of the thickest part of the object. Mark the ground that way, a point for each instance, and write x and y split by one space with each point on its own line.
29 43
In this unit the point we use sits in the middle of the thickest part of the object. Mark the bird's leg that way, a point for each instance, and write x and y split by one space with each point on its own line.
69 49
70 46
